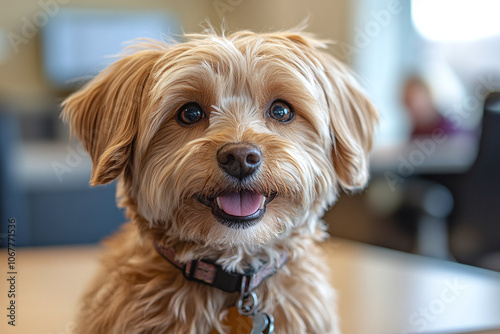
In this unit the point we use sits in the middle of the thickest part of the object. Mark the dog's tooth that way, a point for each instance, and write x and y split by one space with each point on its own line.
218 203
263 202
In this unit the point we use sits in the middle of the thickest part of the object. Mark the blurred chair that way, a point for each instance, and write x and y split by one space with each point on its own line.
424 209
475 239
13 202
48 211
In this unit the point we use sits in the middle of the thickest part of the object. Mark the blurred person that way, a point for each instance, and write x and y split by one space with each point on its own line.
422 109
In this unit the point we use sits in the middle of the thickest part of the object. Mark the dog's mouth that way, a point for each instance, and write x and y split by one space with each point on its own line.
237 209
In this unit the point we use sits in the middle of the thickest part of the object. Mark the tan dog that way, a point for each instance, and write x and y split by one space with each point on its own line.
227 152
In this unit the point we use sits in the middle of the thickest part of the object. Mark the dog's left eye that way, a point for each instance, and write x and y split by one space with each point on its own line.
281 112
190 113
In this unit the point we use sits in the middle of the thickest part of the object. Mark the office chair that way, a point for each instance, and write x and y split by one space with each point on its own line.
475 239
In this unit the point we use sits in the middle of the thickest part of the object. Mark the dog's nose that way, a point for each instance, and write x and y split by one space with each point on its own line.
239 159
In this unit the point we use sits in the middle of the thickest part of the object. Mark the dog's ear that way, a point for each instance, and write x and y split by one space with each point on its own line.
353 119
104 113
352 116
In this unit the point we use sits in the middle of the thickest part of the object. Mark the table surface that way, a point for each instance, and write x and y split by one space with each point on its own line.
380 291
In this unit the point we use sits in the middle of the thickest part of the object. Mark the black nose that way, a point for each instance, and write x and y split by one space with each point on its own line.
239 159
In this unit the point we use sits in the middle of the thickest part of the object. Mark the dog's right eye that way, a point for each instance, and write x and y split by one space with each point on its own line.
190 113
281 112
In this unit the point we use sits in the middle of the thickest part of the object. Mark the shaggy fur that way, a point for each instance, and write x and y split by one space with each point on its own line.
127 119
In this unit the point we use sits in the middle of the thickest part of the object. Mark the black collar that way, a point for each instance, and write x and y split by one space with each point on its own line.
207 272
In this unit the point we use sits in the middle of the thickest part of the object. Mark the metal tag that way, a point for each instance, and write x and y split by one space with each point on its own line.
262 324
248 305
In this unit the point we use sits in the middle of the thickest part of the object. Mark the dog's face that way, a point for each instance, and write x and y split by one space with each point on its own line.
227 140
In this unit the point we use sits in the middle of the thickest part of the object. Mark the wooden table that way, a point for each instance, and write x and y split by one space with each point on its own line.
380 291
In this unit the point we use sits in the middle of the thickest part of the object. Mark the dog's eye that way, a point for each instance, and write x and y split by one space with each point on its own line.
281 112
190 113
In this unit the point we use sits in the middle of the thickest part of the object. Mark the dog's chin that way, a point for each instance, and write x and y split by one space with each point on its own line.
237 209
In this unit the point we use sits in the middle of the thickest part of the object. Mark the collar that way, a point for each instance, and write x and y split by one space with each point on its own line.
207 272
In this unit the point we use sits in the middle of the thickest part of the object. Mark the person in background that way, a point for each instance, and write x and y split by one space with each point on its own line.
422 111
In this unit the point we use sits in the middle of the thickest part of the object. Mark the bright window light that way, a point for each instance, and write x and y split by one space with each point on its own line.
456 20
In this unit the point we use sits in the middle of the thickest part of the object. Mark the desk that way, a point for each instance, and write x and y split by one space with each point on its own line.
426 155
411 176
380 291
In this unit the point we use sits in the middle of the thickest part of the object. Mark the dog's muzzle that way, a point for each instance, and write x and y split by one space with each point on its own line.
238 207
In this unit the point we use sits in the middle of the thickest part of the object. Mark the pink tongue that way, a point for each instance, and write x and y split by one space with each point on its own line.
240 204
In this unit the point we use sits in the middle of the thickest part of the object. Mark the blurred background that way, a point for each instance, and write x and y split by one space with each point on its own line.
429 66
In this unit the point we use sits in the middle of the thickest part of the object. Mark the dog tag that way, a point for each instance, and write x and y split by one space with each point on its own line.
238 324
262 324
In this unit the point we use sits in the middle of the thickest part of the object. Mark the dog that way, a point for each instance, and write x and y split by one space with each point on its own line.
227 150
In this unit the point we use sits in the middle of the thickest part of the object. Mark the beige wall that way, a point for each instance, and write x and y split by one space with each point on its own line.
327 18
21 78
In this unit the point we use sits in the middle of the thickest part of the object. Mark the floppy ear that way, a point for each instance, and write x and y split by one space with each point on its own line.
352 116
353 119
104 114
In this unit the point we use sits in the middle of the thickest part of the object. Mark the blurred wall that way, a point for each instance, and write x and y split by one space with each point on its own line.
23 85
21 79
328 19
